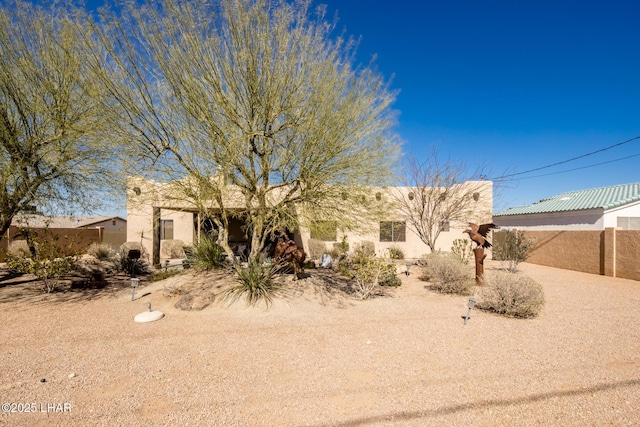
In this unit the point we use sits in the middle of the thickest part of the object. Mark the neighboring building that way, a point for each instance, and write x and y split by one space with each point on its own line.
114 228
593 209
178 220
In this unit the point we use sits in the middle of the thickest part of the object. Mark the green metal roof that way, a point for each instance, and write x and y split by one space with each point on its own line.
604 197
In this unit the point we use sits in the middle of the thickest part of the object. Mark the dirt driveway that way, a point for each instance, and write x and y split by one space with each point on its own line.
320 358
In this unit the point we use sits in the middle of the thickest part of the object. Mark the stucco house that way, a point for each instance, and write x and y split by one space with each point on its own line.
592 209
176 219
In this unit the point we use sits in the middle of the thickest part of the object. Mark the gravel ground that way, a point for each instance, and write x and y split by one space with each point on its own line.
320 358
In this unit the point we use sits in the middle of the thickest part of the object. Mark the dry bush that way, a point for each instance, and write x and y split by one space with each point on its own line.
511 295
172 290
101 251
447 274
463 249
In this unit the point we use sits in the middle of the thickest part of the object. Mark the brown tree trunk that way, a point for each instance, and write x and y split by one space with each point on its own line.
479 255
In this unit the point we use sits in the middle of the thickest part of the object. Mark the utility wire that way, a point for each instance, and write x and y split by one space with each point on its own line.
582 167
568 160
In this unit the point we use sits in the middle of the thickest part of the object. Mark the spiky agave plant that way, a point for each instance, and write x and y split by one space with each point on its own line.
255 283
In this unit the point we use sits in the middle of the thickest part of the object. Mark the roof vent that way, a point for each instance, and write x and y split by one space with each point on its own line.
564 199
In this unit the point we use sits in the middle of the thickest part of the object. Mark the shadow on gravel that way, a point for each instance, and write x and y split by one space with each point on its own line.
19 287
489 403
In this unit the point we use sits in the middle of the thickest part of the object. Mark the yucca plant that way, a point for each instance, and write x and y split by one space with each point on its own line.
208 255
255 283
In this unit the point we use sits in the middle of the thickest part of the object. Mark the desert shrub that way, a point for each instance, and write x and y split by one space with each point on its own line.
255 283
172 290
366 277
316 248
396 253
208 255
515 249
101 251
44 257
48 270
447 274
368 272
342 247
511 295
463 249
130 266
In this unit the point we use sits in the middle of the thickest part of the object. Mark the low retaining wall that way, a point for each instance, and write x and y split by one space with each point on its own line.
610 252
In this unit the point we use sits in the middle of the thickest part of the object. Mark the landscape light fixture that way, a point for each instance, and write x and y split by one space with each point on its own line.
134 284
472 302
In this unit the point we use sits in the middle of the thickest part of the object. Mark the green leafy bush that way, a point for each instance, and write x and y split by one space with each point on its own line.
447 274
396 253
45 257
511 295
48 271
515 249
368 272
255 283
463 249
208 255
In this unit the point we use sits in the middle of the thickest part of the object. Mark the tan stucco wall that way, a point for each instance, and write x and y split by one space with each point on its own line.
628 254
575 250
140 214
611 252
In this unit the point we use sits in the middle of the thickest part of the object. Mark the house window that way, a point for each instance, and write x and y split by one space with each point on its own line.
113 222
391 231
166 229
629 222
324 230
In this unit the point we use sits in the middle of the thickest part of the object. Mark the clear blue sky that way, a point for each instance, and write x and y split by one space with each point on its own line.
514 85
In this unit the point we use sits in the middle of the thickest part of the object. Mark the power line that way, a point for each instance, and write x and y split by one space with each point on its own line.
582 167
568 160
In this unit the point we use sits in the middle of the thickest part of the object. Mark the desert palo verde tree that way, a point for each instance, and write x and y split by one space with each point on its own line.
438 193
51 116
251 108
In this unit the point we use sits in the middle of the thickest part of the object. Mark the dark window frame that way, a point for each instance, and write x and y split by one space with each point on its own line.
393 231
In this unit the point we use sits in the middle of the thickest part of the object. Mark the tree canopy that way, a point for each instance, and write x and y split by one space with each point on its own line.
52 151
257 96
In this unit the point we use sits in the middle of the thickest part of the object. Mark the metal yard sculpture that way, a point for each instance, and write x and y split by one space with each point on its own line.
286 251
478 234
